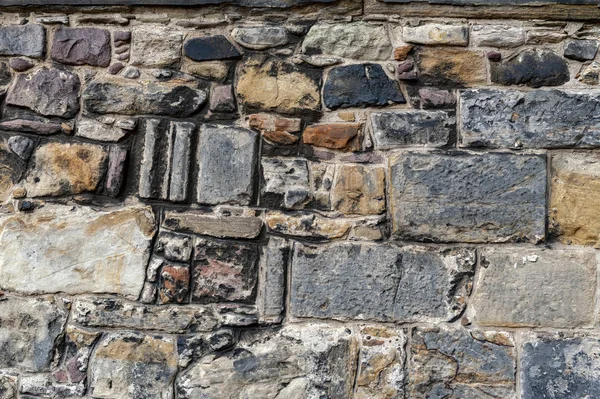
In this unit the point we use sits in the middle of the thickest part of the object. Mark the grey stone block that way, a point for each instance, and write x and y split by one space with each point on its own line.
27 40
405 128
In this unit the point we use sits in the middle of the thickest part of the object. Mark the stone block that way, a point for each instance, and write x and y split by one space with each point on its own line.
174 284
81 46
214 225
260 37
285 183
407 128
175 247
441 66
307 225
28 40
272 272
581 50
12 166
531 67
210 48
336 136
436 34
359 190
493 35
155 46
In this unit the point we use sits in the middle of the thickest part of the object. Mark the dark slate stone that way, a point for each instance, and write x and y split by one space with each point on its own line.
560 368
81 46
534 68
5 74
516 119
360 85
581 50
20 64
22 146
210 48
27 40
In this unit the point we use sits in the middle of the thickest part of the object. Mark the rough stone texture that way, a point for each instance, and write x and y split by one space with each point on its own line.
534 68
359 190
408 128
574 199
536 288
308 225
413 284
491 198
457 35
272 272
439 66
581 50
81 46
174 284
458 364
260 37
210 48
503 118
358 40
12 167
29 330
337 136
156 46
97 130
216 226
360 85
486 35
590 74
47 91
554 366
9 386
27 40
286 183
93 256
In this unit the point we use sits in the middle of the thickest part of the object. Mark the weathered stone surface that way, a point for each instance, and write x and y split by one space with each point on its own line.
42 128
359 190
457 35
44 386
81 46
555 366
27 40
47 91
132 365
271 84
406 128
99 130
507 118
29 330
12 165
118 313
307 225
133 97
78 348
94 256
176 247
286 183
210 48
222 99
337 136
21 64
581 50
227 164
65 169
260 37
484 198
486 35
534 68
214 70
115 173
224 271
156 46
214 225
432 98
590 74
9 385
574 198
457 364
174 284
412 284
272 270
20 145
294 362
360 85
357 40
439 66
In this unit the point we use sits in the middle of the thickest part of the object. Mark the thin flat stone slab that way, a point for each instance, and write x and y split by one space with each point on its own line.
76 250
496 197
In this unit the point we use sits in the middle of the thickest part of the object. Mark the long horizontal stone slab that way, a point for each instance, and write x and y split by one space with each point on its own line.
246 3
496 2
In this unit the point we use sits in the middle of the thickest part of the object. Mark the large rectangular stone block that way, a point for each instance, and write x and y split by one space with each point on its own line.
406 128
462 197
520 287
380 282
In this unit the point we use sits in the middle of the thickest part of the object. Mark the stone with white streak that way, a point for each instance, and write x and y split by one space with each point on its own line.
260 37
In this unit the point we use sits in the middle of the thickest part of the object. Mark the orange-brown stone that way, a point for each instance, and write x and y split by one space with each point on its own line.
337 136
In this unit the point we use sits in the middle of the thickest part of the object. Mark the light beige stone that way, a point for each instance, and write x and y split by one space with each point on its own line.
457 35
359 190
307 225
155 46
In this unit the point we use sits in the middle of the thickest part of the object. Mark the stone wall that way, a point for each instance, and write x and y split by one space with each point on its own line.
306 201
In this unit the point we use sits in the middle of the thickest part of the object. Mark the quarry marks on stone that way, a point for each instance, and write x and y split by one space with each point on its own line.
76 250
413 284
496 197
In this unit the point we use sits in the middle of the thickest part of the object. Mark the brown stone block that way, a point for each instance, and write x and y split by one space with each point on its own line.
337 136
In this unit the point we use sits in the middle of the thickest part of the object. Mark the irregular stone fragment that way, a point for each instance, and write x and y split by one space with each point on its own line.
574 198
581 50
176 247
536 288
214 70
532 67
155 46
65 169
406 128
356 40
118 313
227 164
432 98
236 315
216 226
28 40
400 53
42 128
97 130
29 330
272 122
360 85
286 183
127 97
488 35
81 46
270 84
21 64
307 225
210 48
294 362
12 163
9 386
78 348
457 35
496 197
555 366
174 284
115 174
270 299
131 72
413 284
224 271
47 91
260 37
132 365
456 364
337 136
590 74
20 145
508 118
123 36
43 385
94 255
222 99
359 190
439 66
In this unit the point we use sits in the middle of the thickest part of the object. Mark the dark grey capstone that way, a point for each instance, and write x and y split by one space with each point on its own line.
581 50
27 40
534 68
360 85
534 119
81 46
210 48
379 282
495 197
560 368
